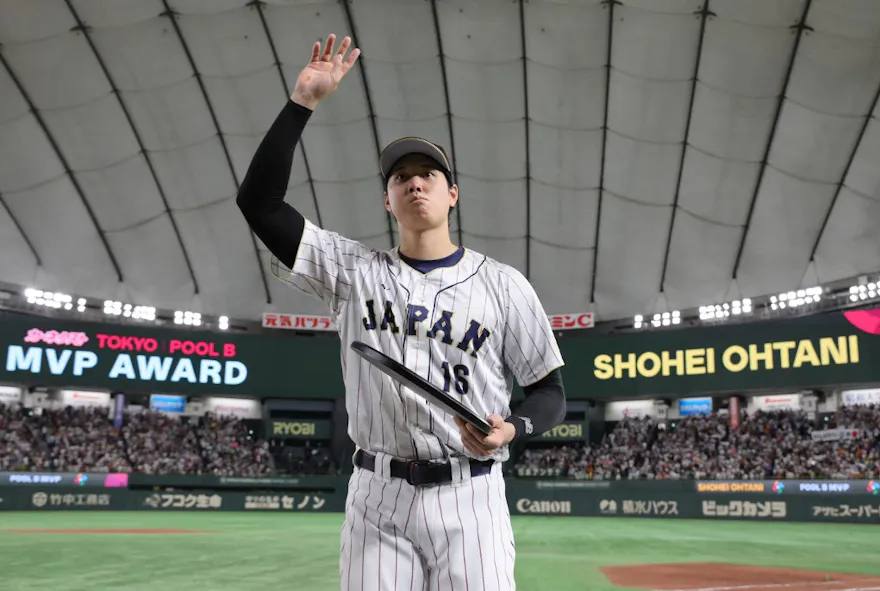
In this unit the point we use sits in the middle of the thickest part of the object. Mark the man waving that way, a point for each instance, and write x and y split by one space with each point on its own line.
426 506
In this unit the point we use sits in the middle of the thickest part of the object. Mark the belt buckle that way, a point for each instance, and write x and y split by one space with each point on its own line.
418 472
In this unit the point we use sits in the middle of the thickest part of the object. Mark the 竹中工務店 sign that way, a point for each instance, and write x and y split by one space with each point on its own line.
824 349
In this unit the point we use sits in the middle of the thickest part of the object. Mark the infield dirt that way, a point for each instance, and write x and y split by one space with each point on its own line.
709 576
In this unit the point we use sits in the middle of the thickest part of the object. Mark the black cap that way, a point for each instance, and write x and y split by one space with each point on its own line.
413 145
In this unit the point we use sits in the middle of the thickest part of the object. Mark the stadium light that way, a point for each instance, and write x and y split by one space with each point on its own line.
114 308
81 305
794 299
187 318
864 292
658 319
48 299
224 323
144 313
667 318
722 311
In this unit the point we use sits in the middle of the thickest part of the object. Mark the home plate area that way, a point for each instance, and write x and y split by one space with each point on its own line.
707 576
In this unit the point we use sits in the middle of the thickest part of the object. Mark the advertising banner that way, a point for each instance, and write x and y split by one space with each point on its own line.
242 408
68 499
834 349
810 351
567 431
10 395
835 434
297 322
804 501
688 407
211 482
571 321
214 500
74 499
81 479
775 402
629 409
144 359
843 501
78 398
325 323
300 429
168 403
790 487
853 397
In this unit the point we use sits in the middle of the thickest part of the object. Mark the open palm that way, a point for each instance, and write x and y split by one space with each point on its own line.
324 71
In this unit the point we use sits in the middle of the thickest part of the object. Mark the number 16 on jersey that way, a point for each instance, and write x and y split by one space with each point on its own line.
457 376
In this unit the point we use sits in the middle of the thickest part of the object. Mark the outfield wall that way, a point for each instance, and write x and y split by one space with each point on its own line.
806 501
853 501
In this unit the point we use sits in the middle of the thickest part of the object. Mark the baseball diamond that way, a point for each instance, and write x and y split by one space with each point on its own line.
273 552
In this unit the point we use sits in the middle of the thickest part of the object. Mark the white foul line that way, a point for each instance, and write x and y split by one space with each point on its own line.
783 585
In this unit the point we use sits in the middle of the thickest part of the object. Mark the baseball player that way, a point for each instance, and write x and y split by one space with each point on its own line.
426 505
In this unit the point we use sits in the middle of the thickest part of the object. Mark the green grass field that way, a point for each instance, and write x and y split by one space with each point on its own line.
269 552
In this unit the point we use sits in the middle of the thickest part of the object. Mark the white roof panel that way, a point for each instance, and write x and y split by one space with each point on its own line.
700 159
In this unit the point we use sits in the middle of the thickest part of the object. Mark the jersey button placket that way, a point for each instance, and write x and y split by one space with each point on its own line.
420 301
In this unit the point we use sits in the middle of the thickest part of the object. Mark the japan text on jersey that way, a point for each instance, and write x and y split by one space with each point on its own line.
471 329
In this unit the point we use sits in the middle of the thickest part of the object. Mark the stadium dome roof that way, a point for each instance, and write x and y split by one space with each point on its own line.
628 156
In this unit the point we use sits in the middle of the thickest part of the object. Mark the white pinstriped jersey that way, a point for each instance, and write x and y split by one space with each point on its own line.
470 329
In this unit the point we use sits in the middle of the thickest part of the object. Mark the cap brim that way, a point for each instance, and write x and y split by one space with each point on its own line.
410 145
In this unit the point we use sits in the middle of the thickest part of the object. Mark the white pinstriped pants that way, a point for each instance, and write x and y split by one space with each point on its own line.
451 537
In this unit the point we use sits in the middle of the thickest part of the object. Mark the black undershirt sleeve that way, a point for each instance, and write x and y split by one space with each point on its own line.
544 406
261 195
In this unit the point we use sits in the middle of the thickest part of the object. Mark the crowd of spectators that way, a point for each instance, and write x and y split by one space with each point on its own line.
766 445
229 449
84 439
67 440
162 444
307 458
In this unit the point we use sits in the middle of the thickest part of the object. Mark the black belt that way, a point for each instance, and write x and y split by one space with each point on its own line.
421 472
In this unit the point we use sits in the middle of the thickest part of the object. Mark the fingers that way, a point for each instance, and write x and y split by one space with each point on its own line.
340 53
328 49
473 445
352 58
339 58
343 47
495 420
474 441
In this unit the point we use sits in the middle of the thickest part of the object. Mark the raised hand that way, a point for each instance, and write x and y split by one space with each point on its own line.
323 73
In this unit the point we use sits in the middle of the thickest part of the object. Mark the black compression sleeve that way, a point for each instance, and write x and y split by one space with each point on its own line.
544 406
261 195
